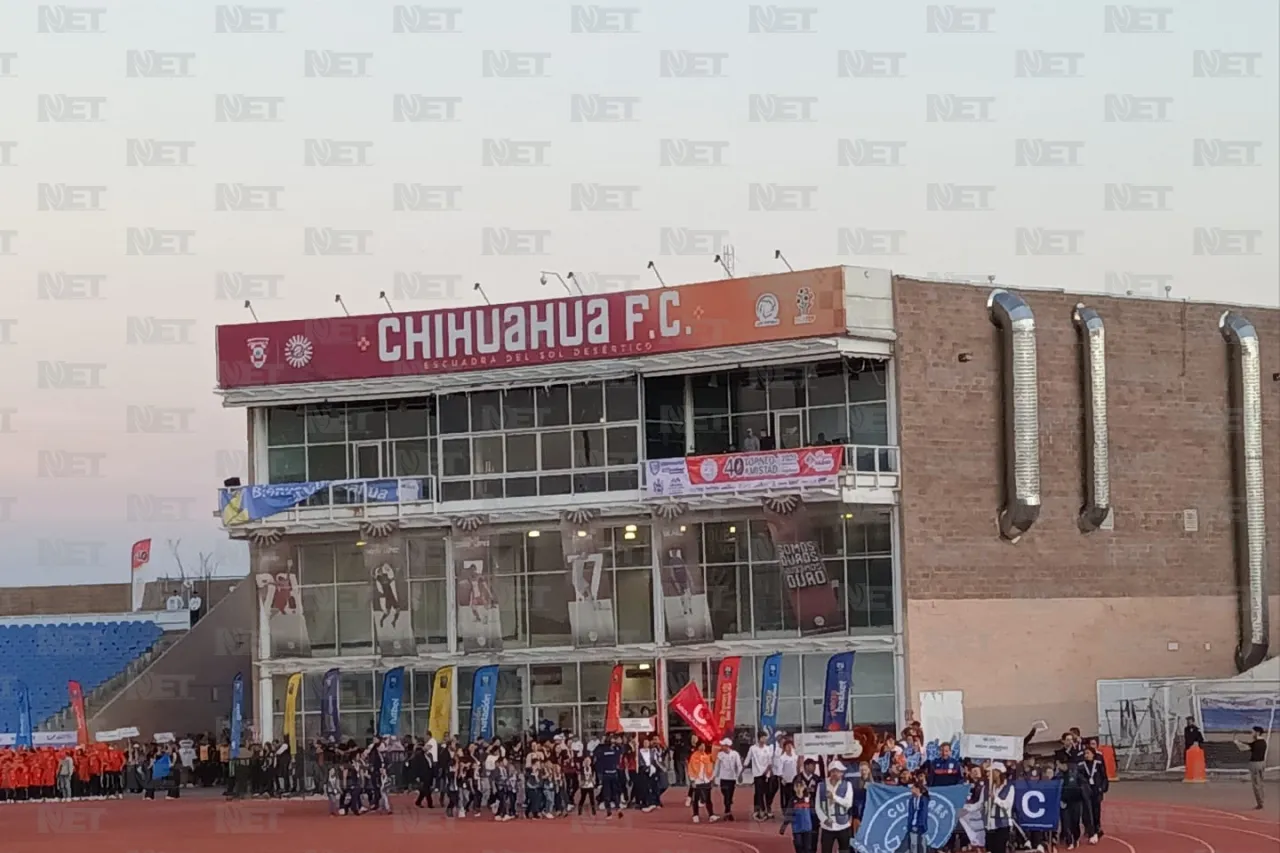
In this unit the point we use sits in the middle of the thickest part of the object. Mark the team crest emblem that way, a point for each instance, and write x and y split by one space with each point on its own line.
258 351
298 351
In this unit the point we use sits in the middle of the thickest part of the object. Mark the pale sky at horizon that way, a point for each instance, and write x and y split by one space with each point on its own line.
1080 146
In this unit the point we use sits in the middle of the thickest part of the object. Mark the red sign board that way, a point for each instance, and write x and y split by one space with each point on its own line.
732 312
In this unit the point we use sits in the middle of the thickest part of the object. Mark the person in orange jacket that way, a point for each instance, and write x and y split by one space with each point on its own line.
80 786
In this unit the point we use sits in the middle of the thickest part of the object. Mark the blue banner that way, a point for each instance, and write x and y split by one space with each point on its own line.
884 822
330 721
392 695
237 713
24 737
1036 804
484 693
835 698
770 677
244 504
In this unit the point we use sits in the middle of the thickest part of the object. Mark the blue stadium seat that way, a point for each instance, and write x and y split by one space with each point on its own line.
45 657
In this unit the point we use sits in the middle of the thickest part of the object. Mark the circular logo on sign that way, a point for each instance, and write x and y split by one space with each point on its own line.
297 351
709 469
766 310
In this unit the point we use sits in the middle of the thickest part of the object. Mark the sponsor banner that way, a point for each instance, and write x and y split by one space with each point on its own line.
726 701
735 472
41 739
484 694
24 737
770 682
441 713
280 600
576 328
244 504
825 743
684 594
330 706
692 708
291 690
817 607
635 725
237 715
1036 804
991 747
835 704
590 585
392 697
387 563
77 706
613 705
479 616
884 820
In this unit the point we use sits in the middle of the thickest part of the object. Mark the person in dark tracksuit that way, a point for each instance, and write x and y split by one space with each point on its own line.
1093 785
608 762
1072 803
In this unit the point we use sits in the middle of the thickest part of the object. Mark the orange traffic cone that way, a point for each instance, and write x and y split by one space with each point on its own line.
1195 765
1108 754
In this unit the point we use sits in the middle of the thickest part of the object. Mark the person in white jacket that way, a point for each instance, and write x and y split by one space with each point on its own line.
728 771
760 763
786 764
833 806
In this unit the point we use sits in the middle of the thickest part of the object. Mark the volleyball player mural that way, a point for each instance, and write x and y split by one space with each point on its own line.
684 593
280 600
386 561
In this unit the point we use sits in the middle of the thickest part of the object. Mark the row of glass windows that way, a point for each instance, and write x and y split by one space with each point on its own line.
746 595
573 695
474 442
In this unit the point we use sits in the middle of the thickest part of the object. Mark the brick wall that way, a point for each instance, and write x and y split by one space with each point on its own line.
1168 410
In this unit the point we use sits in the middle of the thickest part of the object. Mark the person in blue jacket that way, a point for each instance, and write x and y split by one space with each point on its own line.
804 828
608 761
918 818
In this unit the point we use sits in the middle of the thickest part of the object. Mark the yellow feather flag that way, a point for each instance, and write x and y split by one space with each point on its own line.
291 711
441 703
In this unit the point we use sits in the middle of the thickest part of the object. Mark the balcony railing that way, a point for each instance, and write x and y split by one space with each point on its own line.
832 469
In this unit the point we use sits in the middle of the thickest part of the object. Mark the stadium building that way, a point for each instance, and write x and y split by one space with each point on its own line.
1012 494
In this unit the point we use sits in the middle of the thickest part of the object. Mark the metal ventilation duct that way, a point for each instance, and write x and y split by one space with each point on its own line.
1097 449
1021 397
1250 516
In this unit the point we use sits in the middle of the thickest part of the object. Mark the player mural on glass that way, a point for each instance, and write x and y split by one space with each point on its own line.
591 593
280 601
684 596
385 561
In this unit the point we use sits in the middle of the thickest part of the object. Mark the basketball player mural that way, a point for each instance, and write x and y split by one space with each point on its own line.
280 601
386 562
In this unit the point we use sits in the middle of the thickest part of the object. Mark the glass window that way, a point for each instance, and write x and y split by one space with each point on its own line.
317 564
825 384
664 440
326 423
366 421
747 390
622 400
595 679
543 553
553 684
285 426
506 552
319 610
355 619
786 388
486 411
761 542
710 394
664 399
624 480
286 464
327 462
429 610
486 454
522 452
873 674
553 405
557 451
631 546
725 542
414 458
771 604
873 711
588 403
548 610
410 419
426 557
710 435
622 446
827 425
869 424
880 591
633 605
867 380
455 456
518 409
588 448
858 594
453 410
349 562
745 426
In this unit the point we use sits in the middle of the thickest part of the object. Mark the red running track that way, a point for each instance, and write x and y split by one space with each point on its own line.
203 824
